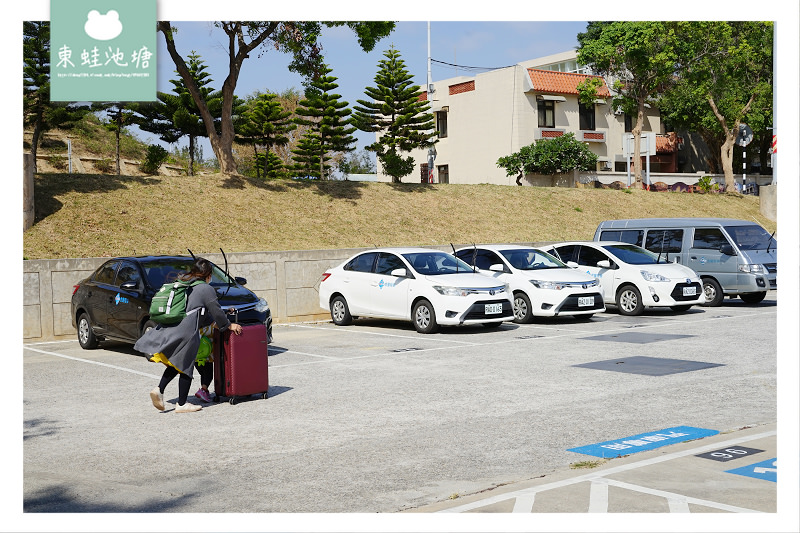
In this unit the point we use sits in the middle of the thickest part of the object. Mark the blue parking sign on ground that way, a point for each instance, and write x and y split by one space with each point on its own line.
643 441
766 470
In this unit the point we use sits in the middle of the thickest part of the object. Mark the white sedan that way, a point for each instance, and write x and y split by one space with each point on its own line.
541 284
428 287
631 277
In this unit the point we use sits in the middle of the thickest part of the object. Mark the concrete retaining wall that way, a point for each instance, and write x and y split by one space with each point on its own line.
288 281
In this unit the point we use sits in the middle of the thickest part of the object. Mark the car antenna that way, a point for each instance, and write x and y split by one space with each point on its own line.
770 240
192 254
454 255
474 256
226 271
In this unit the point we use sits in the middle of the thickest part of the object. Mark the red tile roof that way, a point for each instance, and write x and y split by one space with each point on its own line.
550 81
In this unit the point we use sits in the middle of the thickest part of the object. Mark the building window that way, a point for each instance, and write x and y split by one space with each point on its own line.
586 113
547 114
441 124
444 174
628 123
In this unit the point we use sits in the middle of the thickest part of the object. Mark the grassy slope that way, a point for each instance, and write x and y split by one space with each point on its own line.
95 215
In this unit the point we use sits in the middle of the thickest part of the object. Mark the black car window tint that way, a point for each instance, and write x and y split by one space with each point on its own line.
106 273
486 258
127 272
708 239
589 256
566 253
465 255
362 263
388 262
664 240
631 236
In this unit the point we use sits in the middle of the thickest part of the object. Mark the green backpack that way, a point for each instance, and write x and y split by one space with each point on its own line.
169 303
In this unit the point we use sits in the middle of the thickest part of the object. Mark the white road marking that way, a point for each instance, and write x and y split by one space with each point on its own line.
598 496
524 503
614 470
93 362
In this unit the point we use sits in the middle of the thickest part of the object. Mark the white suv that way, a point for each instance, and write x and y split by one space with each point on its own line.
541 284
428 287
631 277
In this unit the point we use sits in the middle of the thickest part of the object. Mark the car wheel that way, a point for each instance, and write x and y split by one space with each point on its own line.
713 292
424 317
86 337
148 326
340 313
523 313
629 301
752 297
681 308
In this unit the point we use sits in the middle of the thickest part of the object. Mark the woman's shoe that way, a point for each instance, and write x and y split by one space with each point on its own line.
187 408
157 399
203 395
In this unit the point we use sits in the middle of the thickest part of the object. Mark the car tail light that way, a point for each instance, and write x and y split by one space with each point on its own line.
75 289
325 276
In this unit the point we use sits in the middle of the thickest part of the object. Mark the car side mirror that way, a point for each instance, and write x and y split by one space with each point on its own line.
605 263
572 264
727 249
399 273
240 280
497 268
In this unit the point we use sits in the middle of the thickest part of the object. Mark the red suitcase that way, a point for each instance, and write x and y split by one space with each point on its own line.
240 363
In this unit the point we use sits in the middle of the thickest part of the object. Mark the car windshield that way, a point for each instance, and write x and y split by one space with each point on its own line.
531 259
751 237
161 271
632 254
437 263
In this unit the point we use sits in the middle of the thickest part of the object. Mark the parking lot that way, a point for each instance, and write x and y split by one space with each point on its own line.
376 418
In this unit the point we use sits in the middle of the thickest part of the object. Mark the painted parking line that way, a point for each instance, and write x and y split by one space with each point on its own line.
98 363
529 494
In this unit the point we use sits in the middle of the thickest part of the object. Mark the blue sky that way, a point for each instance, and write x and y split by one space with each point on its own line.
474 44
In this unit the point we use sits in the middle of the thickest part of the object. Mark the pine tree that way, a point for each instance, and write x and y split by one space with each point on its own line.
265 124
176 114
329 129
396 110
39 112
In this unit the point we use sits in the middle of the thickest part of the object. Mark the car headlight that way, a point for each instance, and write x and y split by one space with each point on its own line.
551 285
753 269
450 291
652 276
593 283
262 306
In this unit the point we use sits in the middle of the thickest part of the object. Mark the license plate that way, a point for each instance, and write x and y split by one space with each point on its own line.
494 309
586 301
690 291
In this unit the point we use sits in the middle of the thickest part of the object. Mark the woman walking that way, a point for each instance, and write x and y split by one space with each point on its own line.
177 346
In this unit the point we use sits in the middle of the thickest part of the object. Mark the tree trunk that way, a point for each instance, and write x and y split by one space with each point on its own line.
637 149
726 154
191 154
37 133
119 127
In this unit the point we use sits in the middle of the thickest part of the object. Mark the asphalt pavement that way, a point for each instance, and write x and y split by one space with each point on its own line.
467 429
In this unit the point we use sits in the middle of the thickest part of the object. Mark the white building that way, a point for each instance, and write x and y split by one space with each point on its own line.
482 118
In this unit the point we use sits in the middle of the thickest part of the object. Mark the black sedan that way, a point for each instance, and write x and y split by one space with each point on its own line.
114 302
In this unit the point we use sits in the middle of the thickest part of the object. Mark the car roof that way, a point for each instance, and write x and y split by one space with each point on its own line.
404 250
499 247
590 243
680 222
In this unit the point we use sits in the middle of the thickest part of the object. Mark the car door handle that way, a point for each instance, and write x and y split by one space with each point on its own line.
694 257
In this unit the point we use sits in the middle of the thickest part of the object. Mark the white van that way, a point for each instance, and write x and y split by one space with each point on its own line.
732 257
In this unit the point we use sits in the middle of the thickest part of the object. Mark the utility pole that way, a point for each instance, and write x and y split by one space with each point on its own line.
429 84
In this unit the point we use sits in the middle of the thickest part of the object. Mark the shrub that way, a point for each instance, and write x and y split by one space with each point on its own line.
58 162
706 185
155 156
104 165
